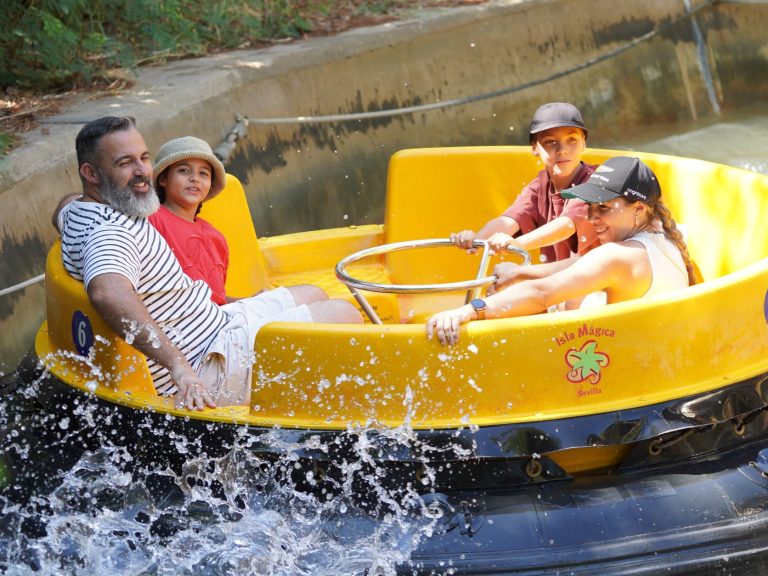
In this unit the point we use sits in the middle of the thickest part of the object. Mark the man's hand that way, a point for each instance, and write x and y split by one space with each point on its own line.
446 324
192 394
115 298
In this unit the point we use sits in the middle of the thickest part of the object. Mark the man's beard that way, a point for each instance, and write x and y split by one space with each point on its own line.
124 200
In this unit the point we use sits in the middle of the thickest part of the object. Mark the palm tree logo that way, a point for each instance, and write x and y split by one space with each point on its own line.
586 363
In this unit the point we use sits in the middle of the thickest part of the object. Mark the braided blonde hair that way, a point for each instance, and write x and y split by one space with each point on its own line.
662 214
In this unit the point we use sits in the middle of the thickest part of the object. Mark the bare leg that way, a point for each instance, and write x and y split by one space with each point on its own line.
307 293
335 311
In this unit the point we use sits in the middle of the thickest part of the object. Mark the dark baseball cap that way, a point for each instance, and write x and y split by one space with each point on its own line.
556 115
618 177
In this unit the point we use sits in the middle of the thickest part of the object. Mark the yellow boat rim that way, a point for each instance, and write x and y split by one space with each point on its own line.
541 368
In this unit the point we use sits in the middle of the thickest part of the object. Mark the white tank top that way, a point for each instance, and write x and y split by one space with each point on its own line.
667 266
668 270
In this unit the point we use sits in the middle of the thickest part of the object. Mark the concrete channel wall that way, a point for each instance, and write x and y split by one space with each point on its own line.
624 63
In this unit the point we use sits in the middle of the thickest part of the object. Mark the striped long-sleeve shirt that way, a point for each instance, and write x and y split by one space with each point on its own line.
97 239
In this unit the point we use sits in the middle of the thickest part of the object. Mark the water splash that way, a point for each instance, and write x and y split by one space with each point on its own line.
144 496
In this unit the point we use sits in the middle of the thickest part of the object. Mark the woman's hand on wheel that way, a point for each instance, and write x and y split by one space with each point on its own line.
446 324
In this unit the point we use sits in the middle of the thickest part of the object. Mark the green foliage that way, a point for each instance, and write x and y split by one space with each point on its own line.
54 44
6 142
280 19
376 6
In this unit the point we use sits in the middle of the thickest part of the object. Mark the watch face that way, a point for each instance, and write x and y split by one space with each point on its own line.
478 304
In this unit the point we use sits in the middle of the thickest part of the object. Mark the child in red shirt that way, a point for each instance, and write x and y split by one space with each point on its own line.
187 173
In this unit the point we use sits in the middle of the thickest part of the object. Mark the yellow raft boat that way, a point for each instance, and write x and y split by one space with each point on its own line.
578 390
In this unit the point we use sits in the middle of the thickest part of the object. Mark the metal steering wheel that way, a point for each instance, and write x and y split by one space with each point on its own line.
472 287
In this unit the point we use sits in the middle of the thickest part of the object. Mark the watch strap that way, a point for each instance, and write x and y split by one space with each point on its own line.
479 306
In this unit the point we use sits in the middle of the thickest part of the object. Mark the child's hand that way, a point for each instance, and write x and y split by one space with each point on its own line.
464 240
499 241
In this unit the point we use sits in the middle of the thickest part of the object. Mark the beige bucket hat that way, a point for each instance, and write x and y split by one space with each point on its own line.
185 147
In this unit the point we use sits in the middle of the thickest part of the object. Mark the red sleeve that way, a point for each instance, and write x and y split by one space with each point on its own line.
525 209
586 238
577 211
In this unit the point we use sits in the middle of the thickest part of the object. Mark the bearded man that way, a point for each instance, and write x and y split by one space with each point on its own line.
137 285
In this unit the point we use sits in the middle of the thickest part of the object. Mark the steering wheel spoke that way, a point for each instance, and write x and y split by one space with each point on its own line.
471 286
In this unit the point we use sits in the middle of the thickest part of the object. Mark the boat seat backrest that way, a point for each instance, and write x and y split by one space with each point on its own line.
724 231
431 195
230 214
82 337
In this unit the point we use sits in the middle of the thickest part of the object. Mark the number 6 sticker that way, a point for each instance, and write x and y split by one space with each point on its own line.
82 333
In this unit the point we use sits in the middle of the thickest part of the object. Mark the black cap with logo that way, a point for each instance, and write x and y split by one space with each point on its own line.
555 115
619 177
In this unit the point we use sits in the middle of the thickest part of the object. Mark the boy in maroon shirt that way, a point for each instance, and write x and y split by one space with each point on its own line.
540 217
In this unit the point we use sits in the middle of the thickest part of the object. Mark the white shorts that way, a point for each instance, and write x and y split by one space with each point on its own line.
227 365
